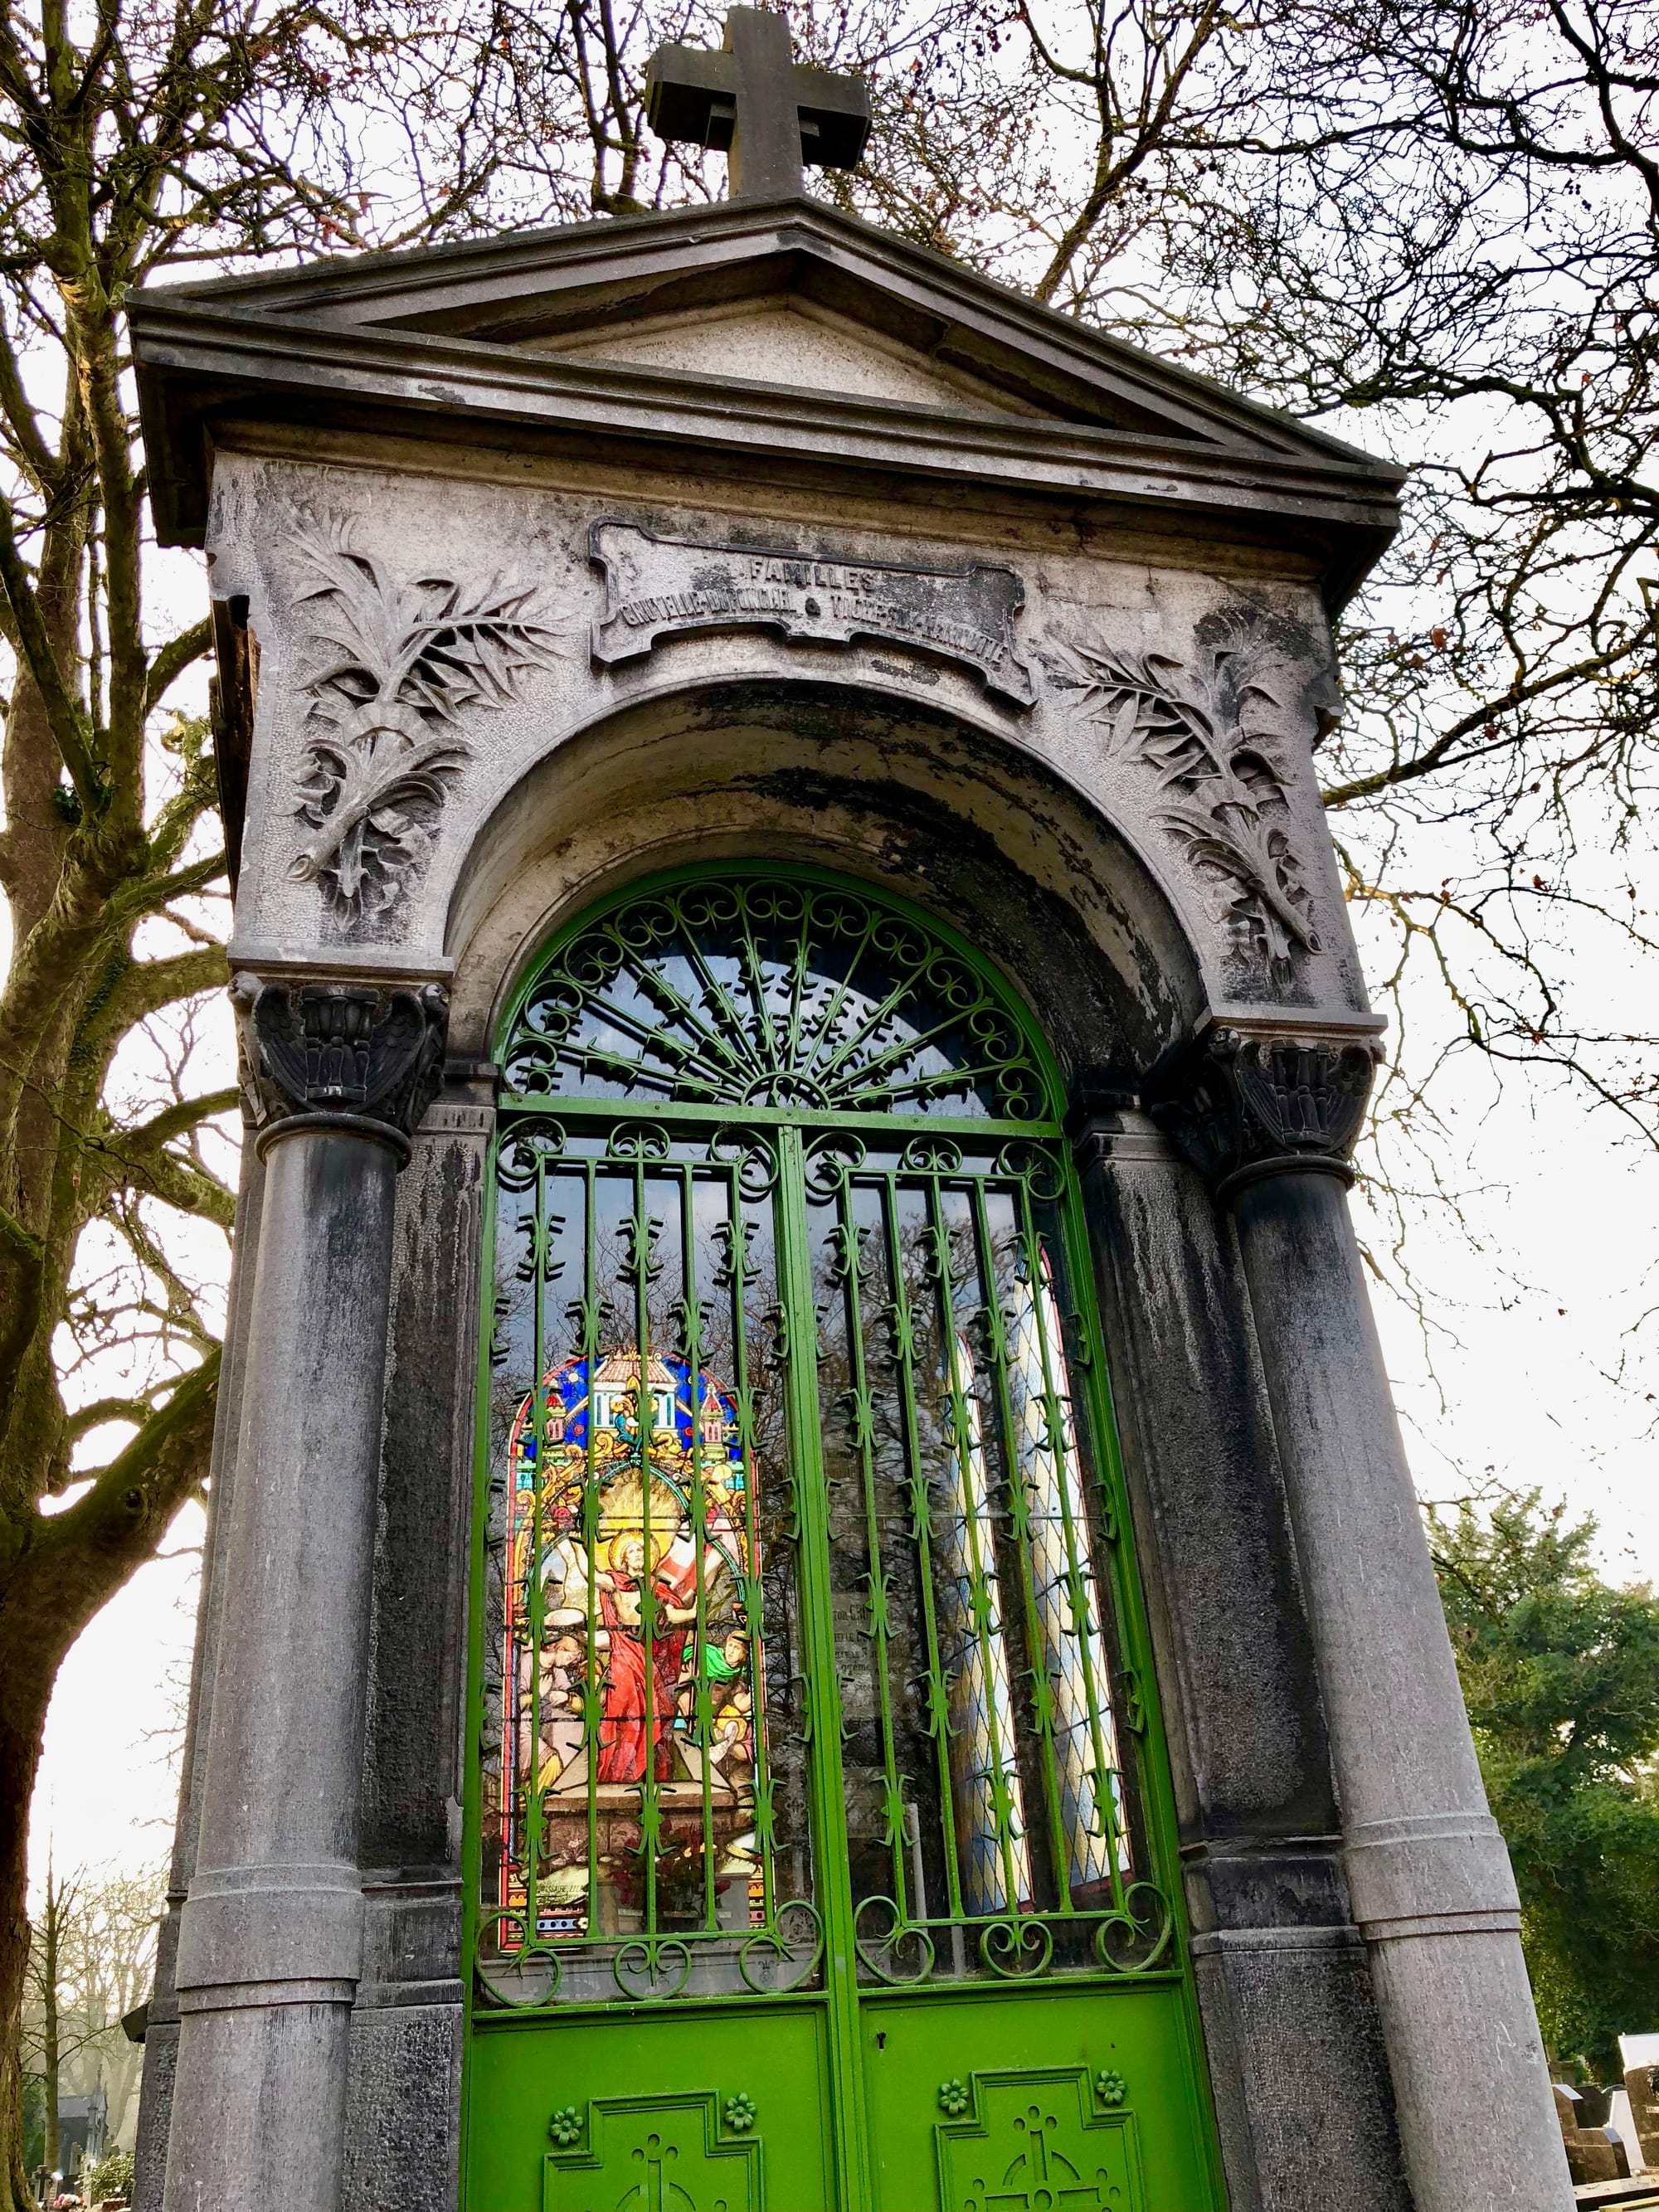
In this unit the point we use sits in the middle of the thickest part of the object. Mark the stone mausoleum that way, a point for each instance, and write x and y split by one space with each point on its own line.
813 1599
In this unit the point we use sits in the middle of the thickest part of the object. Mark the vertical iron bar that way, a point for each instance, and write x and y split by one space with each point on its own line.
532 1606
590 1526
1105 1808
980 1580
904 1350
826 1776
742 1382
1019 1517
852 1250
701 1701
644 1407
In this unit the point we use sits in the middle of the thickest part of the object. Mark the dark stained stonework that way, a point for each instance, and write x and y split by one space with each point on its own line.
412 1751
401 2143
371 1055
1282 1974
1240 1107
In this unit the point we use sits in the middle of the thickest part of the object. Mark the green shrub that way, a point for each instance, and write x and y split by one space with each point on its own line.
109 2176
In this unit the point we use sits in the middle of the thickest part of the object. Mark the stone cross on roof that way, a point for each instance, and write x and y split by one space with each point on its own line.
756 102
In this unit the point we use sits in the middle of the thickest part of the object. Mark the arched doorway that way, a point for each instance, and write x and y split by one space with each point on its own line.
822 1851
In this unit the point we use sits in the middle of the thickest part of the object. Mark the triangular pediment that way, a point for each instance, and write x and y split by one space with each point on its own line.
785 322
785 339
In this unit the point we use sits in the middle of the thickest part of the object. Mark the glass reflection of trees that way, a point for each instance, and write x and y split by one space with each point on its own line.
988 1810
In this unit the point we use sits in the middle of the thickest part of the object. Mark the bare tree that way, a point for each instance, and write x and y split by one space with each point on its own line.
92 1955
1435 223
149 136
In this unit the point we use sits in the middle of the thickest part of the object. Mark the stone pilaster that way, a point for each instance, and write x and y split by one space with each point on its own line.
1271 1121
1283 1975
271 1937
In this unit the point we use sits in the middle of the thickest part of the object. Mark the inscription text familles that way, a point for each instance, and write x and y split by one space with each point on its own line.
661 587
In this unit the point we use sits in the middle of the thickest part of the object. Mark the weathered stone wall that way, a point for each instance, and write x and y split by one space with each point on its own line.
1176 693
491 689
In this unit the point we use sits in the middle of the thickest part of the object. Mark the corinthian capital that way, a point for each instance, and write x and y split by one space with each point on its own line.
353 1053
1243 1107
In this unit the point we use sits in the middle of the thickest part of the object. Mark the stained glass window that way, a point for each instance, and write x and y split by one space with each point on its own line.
800 1637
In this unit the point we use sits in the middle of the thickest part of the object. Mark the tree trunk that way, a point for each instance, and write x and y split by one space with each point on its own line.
67 1569
24 1691
52 1937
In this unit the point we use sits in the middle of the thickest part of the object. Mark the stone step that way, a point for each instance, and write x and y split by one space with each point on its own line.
1640 2193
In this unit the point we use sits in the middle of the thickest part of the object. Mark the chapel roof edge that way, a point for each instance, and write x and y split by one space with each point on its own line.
482 299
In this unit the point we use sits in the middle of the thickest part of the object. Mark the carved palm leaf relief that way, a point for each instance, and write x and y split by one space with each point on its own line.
1226 803
401 663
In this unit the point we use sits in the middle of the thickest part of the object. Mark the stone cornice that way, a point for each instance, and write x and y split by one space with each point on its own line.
506 288
383 341
196 361
193 364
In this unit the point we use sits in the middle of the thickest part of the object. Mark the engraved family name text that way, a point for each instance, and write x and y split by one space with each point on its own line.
657 587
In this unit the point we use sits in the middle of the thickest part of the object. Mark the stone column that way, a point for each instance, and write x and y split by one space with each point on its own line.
270 1943
1291 2025
1271 1120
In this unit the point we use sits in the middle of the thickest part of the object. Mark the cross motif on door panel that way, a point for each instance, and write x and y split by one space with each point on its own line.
656 2193
1041 2177
1035 2142
656 2154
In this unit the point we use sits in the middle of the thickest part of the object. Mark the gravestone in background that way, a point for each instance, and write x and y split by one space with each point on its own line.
1641 2087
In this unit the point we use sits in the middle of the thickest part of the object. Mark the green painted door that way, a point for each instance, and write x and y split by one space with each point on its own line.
821 1852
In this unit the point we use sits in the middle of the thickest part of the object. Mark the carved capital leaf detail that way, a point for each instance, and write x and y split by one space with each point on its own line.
365 1050
400 664
1224 798
1239 1107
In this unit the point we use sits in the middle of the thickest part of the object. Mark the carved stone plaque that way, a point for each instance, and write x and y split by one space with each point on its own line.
658 587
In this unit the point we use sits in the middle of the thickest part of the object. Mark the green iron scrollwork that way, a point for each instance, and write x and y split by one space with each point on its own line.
793 1474
753 992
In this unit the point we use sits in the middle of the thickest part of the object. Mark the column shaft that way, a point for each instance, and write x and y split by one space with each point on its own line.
270 1947
1428 1875
1290 2020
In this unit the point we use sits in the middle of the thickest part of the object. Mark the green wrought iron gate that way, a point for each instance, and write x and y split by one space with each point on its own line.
820 1844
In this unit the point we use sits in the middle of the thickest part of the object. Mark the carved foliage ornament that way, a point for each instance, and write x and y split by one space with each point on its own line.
1241 1107
362 1050
1224 799
402 663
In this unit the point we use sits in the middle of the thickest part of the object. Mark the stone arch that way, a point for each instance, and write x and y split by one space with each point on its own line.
907 798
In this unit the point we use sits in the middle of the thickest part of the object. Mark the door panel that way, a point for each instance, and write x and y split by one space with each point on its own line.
820 1842
981 2104
597 2112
